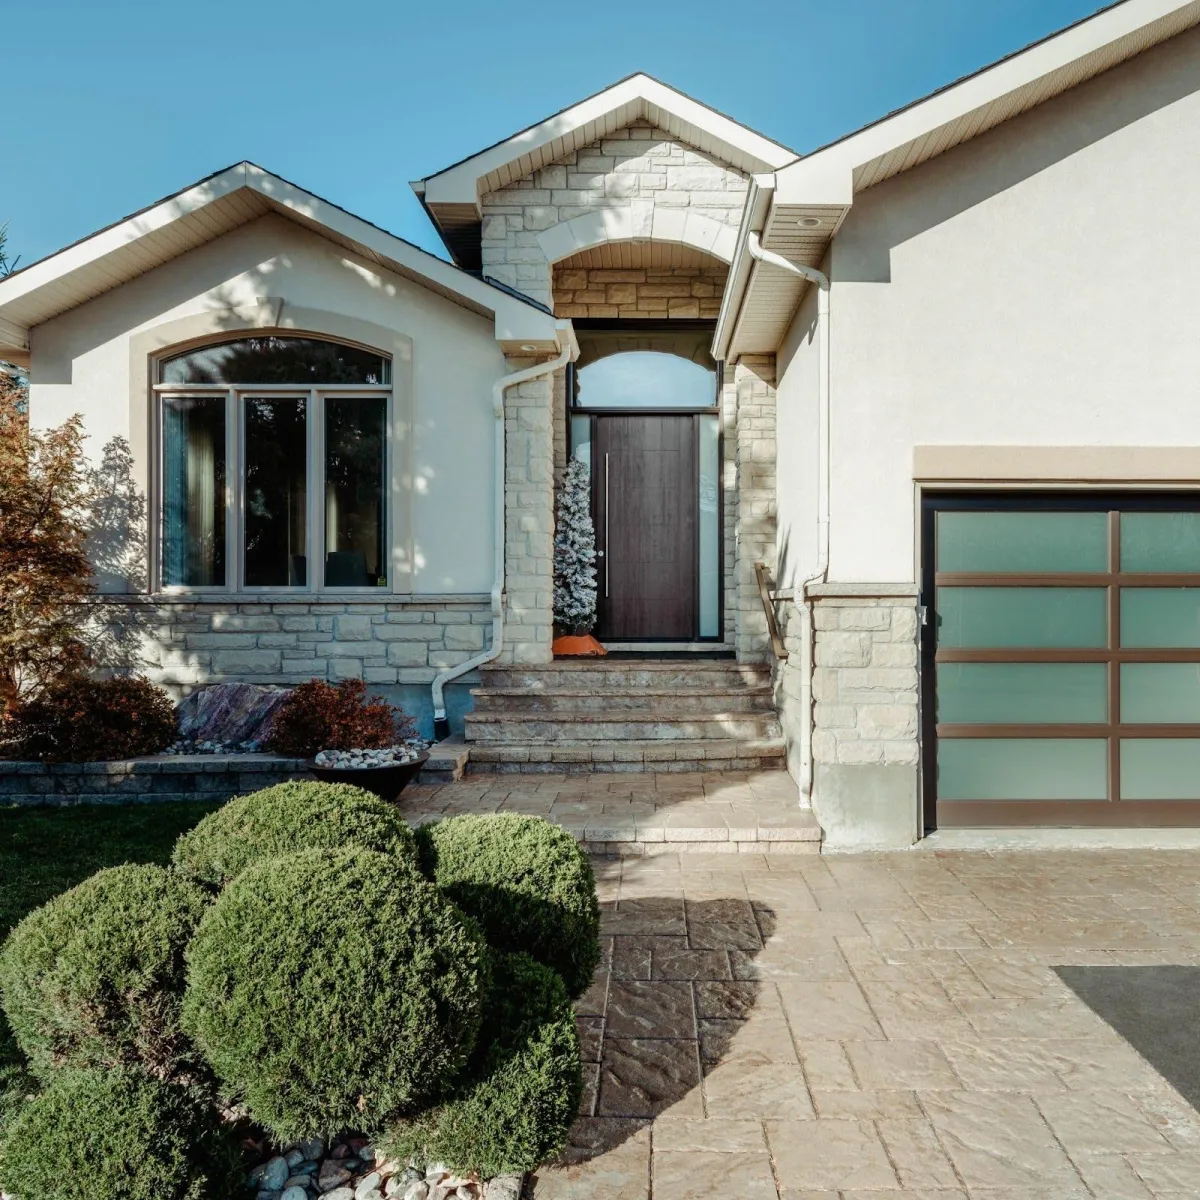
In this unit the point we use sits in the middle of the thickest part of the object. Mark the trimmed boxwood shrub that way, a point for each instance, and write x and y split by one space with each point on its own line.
334 989
289 817
95 976
93 720
525 1082
117 1135
527 883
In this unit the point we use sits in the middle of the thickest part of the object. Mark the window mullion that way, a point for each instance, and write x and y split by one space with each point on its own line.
234 491
316 490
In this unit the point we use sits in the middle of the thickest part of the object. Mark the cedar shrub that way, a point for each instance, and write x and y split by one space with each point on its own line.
526 882
289 817
117 1134
524 1082
334 989
95 976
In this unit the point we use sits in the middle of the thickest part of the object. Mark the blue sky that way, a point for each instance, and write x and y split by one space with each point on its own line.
122 102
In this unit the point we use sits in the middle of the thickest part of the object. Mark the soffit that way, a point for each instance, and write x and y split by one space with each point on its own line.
632 256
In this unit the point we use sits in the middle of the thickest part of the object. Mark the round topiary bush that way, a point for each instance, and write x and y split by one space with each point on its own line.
526 882
96 976
524 1082
284 819
117 1135
334 989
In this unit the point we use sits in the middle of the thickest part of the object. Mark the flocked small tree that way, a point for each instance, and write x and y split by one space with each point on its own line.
575 553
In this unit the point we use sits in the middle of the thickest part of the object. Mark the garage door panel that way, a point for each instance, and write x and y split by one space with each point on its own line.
1048 617
1167 617
1061 659
1022 693
1021 542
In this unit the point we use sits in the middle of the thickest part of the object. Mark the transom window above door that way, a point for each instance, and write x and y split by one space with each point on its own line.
273 466
645 369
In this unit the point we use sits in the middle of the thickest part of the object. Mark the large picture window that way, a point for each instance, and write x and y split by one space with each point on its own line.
274 466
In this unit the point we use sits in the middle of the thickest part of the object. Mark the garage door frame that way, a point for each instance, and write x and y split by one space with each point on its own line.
1112 811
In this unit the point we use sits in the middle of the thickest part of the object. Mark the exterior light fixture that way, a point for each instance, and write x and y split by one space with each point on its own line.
809 222
529 348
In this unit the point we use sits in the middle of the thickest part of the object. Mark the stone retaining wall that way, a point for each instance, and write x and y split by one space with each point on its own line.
192 777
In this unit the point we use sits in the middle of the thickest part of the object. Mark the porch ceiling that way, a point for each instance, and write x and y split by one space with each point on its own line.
627 256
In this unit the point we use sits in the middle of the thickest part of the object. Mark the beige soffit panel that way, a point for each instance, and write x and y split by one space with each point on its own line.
213 207
633 256
1056 464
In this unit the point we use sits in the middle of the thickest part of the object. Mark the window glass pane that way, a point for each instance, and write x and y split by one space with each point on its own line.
1168 617
1019 542
710 536
355 436
1160 693
581 439
1160 769
1029 617
645 369
277 360
1160 541
1022 769
276 487
1021 693
193 480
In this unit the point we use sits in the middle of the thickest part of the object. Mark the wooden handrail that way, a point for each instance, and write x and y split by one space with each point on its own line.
764 592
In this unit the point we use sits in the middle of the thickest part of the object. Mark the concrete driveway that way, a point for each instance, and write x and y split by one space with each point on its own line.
1002 1026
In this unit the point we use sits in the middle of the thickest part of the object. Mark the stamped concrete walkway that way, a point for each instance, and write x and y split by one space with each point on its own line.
861 1027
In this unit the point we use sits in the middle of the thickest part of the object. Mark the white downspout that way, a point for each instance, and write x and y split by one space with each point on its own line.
757 252
441 726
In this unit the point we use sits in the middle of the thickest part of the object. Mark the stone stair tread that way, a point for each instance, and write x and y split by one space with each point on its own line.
731 690
700 748
660 716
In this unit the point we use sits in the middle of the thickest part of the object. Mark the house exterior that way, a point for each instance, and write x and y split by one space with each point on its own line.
939 377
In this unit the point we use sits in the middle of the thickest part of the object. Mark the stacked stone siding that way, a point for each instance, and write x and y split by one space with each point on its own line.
529 438
648 293
184 644
865 681
755 524
634 172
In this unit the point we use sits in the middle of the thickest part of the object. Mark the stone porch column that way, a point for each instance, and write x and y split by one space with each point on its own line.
755 519
528 518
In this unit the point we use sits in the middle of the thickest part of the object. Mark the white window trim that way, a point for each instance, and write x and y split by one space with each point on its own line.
235 442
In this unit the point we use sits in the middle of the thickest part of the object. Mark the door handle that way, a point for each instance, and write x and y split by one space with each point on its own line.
606 525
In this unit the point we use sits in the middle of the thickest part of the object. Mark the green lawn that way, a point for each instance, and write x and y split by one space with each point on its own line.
44 851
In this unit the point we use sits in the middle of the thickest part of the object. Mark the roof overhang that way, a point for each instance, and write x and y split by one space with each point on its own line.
221 203
808 200
452 197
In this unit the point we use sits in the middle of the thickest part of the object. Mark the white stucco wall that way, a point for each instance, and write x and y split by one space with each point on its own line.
82 363
1035 287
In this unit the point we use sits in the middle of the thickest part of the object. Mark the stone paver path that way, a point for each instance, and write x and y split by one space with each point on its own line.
847 1028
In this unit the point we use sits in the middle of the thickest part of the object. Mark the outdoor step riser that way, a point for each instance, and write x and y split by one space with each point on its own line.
624 679
632 702
671 766
509 730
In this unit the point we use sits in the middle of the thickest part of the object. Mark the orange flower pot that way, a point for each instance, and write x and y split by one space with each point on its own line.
581 646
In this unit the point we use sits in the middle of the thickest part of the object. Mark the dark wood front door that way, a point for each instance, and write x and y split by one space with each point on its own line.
647 499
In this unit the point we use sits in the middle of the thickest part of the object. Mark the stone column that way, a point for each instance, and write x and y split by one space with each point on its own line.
528 519
755 523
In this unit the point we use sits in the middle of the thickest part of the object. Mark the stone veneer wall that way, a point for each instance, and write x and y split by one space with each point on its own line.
638 171
865 691
753 516
649 293
185 643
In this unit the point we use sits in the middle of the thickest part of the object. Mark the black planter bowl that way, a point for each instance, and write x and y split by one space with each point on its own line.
386 782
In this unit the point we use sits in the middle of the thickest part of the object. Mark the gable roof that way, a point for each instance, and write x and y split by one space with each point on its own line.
451 197
821 187
211 207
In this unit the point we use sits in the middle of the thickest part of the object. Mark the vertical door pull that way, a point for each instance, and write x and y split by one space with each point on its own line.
607 556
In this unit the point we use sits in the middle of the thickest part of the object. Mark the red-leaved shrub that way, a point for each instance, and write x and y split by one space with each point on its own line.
326 716
92 720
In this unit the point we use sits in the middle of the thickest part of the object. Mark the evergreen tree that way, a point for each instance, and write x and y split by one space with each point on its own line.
575 553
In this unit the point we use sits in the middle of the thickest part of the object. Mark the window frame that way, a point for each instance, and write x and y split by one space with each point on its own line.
235 454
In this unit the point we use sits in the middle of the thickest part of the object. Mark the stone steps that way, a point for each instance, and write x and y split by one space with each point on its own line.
622 675
750 698
583 756
666 724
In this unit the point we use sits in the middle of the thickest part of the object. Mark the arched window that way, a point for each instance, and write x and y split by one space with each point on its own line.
274 456
645 369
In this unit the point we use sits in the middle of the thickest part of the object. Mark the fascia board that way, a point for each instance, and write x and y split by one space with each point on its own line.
754 216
